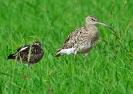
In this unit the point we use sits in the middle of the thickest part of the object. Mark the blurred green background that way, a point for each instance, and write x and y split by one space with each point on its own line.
109 66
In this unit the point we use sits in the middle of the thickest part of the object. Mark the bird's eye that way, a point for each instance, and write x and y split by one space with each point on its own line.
93 19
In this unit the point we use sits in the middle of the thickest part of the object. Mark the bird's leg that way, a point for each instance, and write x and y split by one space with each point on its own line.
85 57
75 52
74 58
30 65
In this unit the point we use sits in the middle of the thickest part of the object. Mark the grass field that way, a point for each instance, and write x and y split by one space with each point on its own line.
109 66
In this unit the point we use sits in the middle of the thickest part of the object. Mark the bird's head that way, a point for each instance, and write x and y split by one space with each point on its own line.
91 20
37 43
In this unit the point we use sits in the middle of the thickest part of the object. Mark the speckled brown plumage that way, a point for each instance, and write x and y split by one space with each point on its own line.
29 54
82 40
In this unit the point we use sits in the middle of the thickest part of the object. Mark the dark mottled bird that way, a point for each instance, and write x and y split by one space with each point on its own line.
28 54
82 40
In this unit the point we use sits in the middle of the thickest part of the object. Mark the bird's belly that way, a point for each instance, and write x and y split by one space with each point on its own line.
87 48
84 50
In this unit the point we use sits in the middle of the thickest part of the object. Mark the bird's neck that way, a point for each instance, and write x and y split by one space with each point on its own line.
89 26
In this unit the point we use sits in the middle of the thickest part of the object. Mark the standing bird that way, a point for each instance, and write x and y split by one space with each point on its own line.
82 40
28 54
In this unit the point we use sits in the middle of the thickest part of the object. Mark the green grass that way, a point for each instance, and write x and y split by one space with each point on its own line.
109 66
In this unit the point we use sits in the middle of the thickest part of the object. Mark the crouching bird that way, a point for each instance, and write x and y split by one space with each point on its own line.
28 54
83 39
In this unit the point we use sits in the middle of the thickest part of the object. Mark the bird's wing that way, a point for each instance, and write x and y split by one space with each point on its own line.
71 39
22 48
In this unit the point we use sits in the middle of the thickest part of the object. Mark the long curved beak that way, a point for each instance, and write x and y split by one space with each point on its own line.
114 32
107 26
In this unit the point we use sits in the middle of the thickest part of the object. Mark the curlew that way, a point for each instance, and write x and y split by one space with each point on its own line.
83 39
28 54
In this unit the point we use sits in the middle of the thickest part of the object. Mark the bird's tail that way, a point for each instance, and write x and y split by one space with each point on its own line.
58 54
11 56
